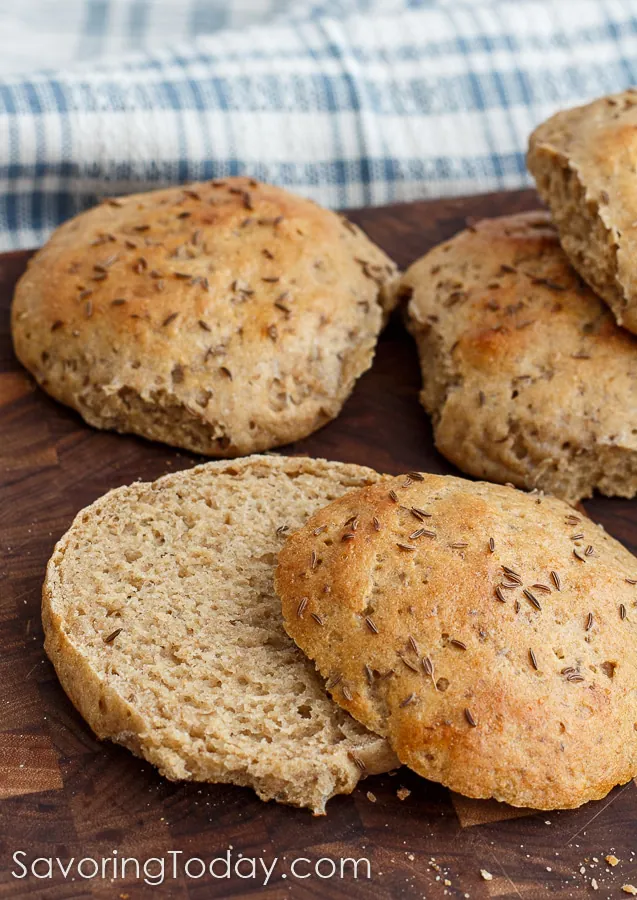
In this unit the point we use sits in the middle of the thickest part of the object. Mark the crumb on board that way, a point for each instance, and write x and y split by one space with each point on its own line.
371 797
487 876
611 859
402 793
630 889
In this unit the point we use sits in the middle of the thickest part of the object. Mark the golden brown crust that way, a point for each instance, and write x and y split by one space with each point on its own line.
527 376
529 697
583 162
164 629
225 317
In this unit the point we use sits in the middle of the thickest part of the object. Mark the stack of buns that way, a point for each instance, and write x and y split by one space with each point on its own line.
292 624
526 324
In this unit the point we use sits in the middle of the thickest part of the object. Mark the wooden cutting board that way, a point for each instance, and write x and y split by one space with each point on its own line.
63 794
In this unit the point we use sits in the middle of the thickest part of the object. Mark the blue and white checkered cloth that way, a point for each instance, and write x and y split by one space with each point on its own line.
351 102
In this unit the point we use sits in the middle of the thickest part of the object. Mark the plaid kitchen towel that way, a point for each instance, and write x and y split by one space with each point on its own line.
351 102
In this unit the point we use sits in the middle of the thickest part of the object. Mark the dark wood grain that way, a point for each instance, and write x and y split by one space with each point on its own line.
62 793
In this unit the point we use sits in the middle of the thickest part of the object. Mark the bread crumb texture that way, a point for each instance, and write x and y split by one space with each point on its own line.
225 317
583 161
488 633
162 623
526 375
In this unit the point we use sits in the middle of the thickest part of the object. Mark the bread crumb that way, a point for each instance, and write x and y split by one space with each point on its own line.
594 884
411 857
402 793
371 797
611 860
447 883
630 889
486 875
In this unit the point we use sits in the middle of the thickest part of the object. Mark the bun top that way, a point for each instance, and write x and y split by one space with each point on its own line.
528 376
251 308
489 634
583 160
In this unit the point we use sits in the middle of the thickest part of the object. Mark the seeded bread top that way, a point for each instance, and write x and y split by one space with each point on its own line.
226 317
488 633
527 376
583 161
161 619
